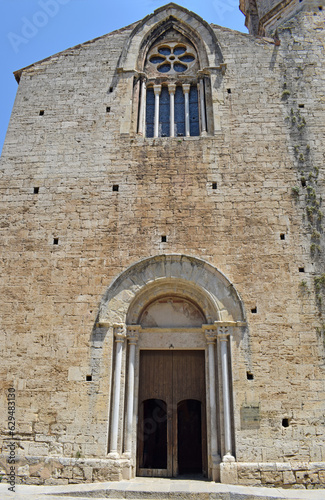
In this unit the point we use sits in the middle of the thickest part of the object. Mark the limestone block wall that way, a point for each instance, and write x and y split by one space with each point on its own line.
65 242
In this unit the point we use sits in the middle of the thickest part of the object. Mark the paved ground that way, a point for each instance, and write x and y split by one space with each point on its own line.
153 489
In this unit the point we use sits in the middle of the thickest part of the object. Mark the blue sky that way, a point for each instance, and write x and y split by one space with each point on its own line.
31 30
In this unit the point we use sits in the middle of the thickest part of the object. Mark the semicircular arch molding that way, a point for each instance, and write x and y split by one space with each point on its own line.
163 19
181 275
173 287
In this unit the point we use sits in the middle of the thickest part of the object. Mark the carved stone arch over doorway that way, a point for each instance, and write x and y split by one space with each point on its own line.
172 311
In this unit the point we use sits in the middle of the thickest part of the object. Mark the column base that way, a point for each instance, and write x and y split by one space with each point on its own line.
228 458
229 472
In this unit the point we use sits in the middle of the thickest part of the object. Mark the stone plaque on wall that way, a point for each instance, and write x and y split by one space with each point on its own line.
250 416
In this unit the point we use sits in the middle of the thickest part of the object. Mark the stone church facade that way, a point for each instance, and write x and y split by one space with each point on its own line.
163 254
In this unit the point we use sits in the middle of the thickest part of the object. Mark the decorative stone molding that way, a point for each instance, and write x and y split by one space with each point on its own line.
188 276
164 18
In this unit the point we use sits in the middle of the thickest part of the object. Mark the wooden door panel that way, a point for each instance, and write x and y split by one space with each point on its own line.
155 375
154 392
188 384
188 376
171 377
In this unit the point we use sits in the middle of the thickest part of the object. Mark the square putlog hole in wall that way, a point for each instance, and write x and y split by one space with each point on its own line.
55 241
282 236
41 113
214 185
36 190
285 422
108 109
164 239
249 376
254 310
115 187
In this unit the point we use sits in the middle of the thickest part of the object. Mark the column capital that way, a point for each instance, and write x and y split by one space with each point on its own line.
211 336
157 89
132 334
172 88
210 332
119 332
186 88
223 333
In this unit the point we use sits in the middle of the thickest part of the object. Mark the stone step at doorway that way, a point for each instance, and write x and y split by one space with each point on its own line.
158 489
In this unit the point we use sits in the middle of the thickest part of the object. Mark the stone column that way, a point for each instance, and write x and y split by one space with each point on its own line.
211 339
119 335
172 90
142 107
157 90
186 90
202 107
133 337
223 335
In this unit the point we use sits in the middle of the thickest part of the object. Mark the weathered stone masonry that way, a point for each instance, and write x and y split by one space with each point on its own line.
241 210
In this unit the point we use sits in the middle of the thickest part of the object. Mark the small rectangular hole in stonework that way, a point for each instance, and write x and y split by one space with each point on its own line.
285 422
301 105
163 239
115 187
36 190
111 89
108 109
303 182
89 378
55 241
229 91
250 376
254 310
301 269
282 236
214 185
41 113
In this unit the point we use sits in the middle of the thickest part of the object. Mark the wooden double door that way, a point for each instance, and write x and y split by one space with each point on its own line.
172 413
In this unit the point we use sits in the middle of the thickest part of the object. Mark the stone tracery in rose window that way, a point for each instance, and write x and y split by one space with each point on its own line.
172 59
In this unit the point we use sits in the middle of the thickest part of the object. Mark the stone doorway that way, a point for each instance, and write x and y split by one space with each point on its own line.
168 304
172 413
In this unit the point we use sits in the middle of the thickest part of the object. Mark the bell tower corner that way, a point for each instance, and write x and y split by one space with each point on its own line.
263 17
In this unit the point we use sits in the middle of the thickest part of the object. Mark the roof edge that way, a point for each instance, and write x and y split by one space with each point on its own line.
17 74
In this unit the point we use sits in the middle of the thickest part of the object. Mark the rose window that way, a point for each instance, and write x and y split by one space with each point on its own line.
172 57
172 90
